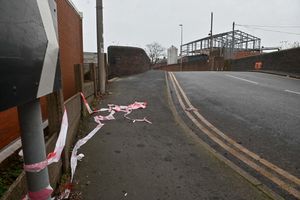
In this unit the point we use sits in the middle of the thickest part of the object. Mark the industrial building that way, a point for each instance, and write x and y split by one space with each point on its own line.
232 44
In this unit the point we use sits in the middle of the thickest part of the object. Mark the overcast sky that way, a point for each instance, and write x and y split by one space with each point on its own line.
140 22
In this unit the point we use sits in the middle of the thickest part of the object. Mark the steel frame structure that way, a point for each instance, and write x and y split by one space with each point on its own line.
227 43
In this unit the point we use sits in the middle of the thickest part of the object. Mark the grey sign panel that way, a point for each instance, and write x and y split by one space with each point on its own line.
29 66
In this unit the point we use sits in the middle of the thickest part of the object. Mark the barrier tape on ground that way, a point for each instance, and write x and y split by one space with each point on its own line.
60 144
117 108
112 109
75 157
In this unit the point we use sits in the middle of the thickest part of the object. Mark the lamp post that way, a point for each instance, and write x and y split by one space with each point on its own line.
211 59
181 35
100 47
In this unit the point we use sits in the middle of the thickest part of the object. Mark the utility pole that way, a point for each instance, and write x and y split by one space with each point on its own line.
233 38
211 40
100 47
181 35
33 143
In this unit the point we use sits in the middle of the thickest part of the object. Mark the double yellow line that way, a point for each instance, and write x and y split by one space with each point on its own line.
280 177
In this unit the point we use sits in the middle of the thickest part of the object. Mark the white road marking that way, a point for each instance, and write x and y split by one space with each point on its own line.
290 91
256 83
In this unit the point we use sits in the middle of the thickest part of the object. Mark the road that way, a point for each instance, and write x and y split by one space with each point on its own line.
259 111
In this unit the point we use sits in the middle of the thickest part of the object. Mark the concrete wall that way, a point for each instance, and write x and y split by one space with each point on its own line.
70 44
74 109
124 61
284 61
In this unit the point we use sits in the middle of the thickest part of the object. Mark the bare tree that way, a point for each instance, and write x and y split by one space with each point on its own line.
155 51
289 45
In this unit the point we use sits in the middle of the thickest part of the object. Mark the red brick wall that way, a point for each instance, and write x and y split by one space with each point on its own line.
284 61
244 54
71 52
70 43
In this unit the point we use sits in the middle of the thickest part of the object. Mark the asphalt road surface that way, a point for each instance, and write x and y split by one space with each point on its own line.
259 111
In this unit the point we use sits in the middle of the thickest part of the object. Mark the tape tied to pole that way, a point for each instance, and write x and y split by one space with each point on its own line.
42 194
56 154
37 167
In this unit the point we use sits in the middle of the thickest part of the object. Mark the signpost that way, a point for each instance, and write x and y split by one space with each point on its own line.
29 69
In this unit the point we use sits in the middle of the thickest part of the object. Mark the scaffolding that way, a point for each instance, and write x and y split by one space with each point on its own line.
226 44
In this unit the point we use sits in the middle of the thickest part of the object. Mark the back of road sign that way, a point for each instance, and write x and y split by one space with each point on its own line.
29 66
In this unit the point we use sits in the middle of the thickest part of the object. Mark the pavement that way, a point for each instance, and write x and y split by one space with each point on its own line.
280 73
157 161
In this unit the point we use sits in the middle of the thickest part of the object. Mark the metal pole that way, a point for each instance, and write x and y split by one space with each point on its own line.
233 38
211 39
211 30
181 35
33 144
100 47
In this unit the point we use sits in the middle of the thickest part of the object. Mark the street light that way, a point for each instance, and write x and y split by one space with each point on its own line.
181 27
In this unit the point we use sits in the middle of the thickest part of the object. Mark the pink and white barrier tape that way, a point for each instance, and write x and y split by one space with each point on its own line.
37 167
51 158
117 108
56 154
60 144
61 141
75 157
43 194
112 109
88 106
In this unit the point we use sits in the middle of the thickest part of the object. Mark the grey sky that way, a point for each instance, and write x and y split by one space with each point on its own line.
140 22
